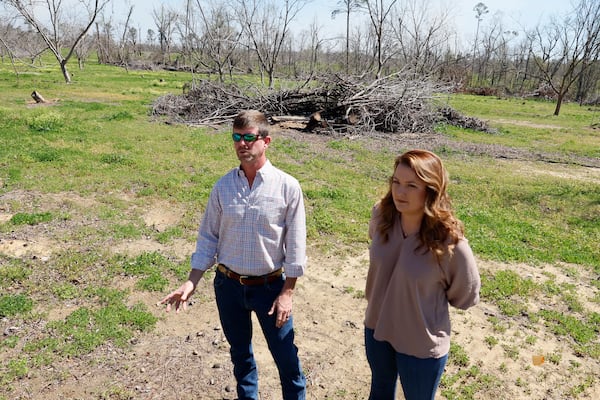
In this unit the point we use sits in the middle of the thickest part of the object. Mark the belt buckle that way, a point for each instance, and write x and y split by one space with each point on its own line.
241 278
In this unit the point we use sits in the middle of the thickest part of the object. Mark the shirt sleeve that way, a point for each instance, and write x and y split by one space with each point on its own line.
208 234
295 236
464 282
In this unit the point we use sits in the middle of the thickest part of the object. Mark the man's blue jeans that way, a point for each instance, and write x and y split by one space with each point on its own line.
236 303
419 377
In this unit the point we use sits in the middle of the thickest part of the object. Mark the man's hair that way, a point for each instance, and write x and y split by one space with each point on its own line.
252 119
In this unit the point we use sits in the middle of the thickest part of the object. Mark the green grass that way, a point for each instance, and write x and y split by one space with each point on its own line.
11 305
512 216
530 124
30 218
98 141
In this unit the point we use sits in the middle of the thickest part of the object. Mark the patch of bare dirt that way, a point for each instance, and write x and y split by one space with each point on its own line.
526 124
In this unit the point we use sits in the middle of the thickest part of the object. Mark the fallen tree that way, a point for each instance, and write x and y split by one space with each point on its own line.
402 102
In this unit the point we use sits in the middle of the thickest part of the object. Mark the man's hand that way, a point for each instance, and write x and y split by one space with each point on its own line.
283 306
283 303
179 297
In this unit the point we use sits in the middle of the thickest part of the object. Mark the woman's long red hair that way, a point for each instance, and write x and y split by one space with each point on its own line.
440 229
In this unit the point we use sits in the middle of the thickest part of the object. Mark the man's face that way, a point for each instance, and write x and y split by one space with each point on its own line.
250 151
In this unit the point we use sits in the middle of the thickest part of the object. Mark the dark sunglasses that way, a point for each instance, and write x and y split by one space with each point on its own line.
248 137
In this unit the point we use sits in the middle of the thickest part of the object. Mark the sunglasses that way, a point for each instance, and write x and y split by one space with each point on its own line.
248 137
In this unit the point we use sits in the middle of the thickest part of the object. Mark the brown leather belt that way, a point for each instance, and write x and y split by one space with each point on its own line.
250 280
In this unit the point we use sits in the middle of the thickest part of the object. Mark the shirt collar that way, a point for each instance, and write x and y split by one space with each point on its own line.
264 170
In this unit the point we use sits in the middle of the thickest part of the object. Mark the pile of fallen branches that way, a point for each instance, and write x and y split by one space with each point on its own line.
401 102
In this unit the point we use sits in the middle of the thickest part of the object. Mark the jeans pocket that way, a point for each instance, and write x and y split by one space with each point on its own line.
219 279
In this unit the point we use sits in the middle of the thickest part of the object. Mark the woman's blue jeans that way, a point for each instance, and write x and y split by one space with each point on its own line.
236 302
419 377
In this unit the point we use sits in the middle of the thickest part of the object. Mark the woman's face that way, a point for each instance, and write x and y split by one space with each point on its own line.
408 191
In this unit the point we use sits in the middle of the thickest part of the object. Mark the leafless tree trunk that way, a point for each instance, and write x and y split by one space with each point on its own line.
480 10
82 51
379 11
123 47
104 41
53 33
347 7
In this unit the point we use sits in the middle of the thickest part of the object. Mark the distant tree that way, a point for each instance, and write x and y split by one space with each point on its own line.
267 26
124 48
83 49
420 34
165 20
347 7
54 32
379 11
150 36
567 49
7 39
480 10
217 37
104 40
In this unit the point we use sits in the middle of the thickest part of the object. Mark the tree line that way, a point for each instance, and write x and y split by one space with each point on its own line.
558 59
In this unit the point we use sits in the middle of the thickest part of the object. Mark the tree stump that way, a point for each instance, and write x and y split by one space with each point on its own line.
38 97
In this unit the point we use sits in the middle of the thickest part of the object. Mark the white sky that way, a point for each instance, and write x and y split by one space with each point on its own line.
513 13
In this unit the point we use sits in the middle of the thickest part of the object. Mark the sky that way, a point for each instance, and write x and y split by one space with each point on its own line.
514 13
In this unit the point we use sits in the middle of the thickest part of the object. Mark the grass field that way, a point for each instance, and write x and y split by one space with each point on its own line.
77 176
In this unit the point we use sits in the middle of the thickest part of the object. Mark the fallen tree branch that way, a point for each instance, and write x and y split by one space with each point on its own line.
401 102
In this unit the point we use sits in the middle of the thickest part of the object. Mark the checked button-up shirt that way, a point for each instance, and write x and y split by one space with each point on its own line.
254 231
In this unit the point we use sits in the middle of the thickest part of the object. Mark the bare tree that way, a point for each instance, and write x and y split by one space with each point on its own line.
19 42
164 19
150 36
480 10
104 40
379 11
123 47
53 34
492 40
7 39
83 49
568 48
347 7
267 25
421 34
219 37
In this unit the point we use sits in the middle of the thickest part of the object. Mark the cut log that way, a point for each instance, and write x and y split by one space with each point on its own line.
38 97
316 121
288 118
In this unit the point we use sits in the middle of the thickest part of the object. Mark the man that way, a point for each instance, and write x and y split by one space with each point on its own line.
254 228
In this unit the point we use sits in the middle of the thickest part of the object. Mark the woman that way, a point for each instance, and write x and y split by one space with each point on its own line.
420 262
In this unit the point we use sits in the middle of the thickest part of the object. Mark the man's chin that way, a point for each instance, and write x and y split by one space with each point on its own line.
245 157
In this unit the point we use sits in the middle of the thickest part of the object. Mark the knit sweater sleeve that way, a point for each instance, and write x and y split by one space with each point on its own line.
463 281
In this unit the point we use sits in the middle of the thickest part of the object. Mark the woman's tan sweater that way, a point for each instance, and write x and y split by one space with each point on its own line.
408 292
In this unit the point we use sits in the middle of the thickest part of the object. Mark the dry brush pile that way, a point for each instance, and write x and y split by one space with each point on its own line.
398 103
